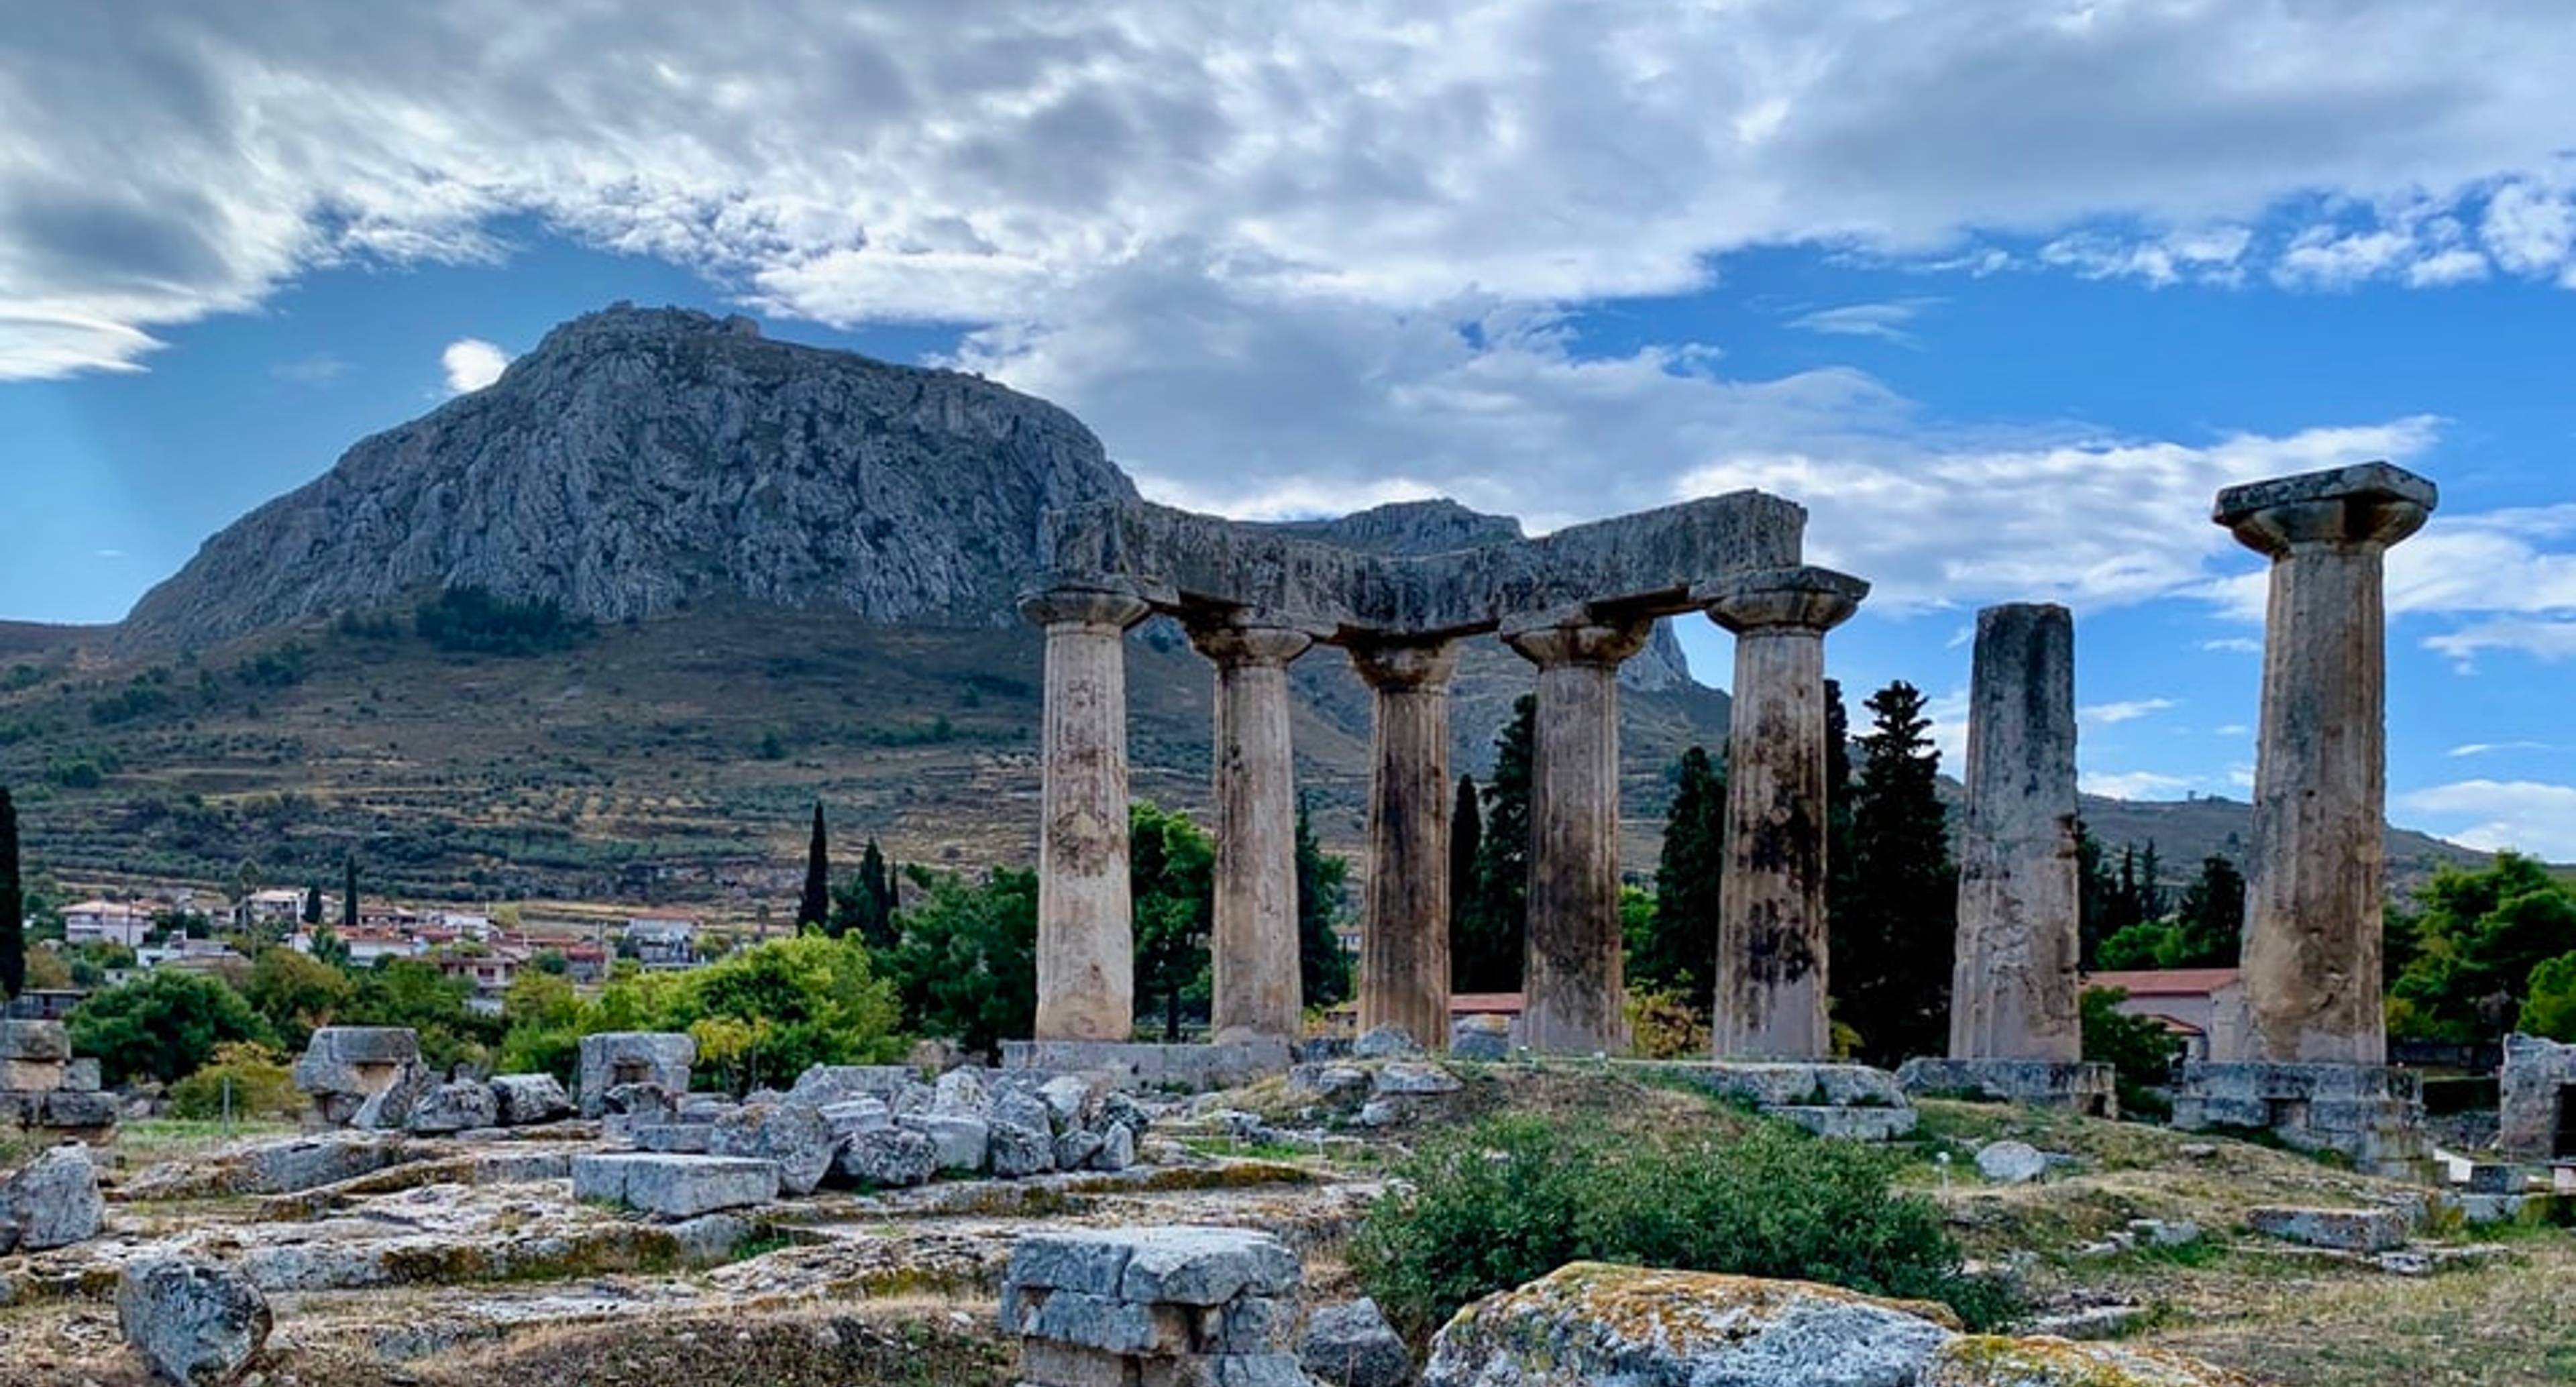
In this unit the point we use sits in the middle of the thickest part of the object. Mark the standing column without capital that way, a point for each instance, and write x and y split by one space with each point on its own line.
1404 942
1572 977
2013 987
1086 936
2317 875
1255 954
1771 946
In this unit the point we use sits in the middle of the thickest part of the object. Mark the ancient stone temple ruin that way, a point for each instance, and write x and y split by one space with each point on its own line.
1574 604
2317 872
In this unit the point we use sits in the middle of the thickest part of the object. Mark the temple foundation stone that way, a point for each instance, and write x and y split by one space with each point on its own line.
1572 971
1404 942
1086 938
1771 946
1254 945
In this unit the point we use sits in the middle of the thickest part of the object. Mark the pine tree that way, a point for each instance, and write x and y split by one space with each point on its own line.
1323 965
1466 844
2209 922
349 895
1891 953
1487 957
1678 952
814 907
13 905
876 926
312 902
2150 896
2094 906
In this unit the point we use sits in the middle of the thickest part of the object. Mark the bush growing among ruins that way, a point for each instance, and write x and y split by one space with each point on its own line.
263 1085
1492 1206
2476 944
2140 1052
164 1025
2550 1009
967 965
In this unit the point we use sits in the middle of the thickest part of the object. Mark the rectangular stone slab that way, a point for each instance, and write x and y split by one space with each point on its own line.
674 1186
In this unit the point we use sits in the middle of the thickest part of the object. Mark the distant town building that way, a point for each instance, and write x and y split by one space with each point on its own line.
2204 1007
278 906
107 922
664 941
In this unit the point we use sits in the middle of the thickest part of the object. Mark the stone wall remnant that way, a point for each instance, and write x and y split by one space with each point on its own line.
2536 1100
344 1066
615 1059
1164 1305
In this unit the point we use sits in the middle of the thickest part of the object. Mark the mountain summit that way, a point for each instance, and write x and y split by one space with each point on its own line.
640 459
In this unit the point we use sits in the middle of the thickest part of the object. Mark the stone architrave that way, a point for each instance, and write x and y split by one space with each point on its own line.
2317 872
2013 988
1404 944
1086 938
1771 945
1254 945
1571 975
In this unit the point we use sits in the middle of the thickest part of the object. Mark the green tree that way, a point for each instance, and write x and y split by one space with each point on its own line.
312 903
2549 1004
330 948
1841 869
2210 917
162 1026
967 966
2140 1052
544 1015
1485 955
1466 844
2094 889
1892 948
1171 865
810 1000
863 904
2479 937
13 904
1678 950
295 994
349 893
814 908
1323 885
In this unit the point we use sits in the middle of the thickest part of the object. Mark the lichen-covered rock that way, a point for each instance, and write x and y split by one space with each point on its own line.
196 1322
2011 1163
1985 1360
854 1115
676 1187
1176 1265
456 1107
1075 1149
615 1059
1386 1042
1117 1148
1012 1151
1351 1345
1481 1038
1070 1100
524 1100
1589 1322
1020 1108
52 1203
1414 1079
958 1140
792 1135
2342 1230
961 1091
888 1158
389 1109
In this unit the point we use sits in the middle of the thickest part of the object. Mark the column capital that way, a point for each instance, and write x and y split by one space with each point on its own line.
1068 605
1600 644
1389 667
1803 599
2369 503
1239 646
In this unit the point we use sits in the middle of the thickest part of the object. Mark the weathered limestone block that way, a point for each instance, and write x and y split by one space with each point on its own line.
674 1186
793 1136
1013 1151
195 1322
825 1084
1199 1068
80 1075
2010 1163
1589 1323
35 1041
2013 990
888 1158
1117 1148
1351 1345
1086 942
456 1107
2090 1089
524 1100
2317 866
1771 946
2536 1097
1481 1038
1572 971
961 1091
389 1109
72 1111
1170 1265
1385 1043
1253 937
2343 1230
1404 937
2372 1114
53 1202
1412 1078
856 1115
957 1140
1987 1360
344 1066
675 1138
610 1059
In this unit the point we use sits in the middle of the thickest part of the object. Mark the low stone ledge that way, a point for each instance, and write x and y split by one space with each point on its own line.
2089 1089
2337 1230
674 1187
1198 1068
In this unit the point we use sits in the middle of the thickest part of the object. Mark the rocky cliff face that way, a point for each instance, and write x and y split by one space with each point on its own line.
642 458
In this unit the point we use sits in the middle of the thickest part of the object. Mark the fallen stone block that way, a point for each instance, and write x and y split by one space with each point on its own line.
524 1100
610 1059
2010 1163
53 1202
456 1107
1075 1149
674 1186
674 1138
826 1084
958 1140
1178 1265
389 1109
2341 1230
888 1158
1482 1038
1987 1360
1013 1151
1386 1042
70 1110
1850 1124
195 1322
1411 1078
1351 1345
792 1135
1117 1149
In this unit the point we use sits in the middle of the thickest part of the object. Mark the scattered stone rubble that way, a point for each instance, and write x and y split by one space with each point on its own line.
198 1323
1352 1345
44 1089
1172 1307
614 1059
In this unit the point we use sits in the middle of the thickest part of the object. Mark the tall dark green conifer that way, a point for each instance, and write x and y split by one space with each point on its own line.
877 926
349 894
1679 949
1891 950
312 902
1323 965
1466 844
1486 957
1839 874
13 904
814 907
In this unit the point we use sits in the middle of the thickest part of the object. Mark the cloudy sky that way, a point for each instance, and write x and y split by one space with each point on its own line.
2003 290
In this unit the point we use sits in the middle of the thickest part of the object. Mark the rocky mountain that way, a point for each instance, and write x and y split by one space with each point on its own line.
642 459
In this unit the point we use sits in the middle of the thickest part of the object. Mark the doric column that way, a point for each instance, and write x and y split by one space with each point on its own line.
1571 978
2013 989
2318 866
1086 938
1255 944
1771 905
1404 943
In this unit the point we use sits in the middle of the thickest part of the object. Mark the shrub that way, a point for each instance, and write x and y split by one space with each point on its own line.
1513 1198
164 1025
2141 1053
1664 1025
262 1085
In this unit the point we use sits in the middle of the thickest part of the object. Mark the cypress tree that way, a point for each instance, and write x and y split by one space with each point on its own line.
1487 956
349 895
1323 965
1678 951
1466 843
814 907
1840 869
13 904
312 902
876 887
2210 920
1892 950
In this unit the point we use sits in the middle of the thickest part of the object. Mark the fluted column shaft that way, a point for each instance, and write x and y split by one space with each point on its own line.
1404 942
1771 948
1255 956
1572 978
2316 878
2013 986
1086 934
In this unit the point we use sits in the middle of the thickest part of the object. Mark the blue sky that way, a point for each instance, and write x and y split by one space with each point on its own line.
1549 263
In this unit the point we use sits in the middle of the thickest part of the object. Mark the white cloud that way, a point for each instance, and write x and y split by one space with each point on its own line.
1948 716
2546 641
2128 711
2525 815
2233 729
1884 321
2234 645
2486 748
472 363
319 369
2134 784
